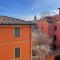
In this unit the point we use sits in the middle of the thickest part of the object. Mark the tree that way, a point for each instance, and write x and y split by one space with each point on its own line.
40 45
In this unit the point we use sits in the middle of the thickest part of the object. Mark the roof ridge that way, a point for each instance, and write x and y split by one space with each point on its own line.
11 20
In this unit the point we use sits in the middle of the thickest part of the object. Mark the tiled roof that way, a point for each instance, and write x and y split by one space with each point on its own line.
4 20
52 19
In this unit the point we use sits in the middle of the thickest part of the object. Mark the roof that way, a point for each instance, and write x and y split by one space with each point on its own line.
51 19
5 20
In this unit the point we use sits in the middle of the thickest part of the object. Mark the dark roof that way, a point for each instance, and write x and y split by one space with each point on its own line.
5 20
50 19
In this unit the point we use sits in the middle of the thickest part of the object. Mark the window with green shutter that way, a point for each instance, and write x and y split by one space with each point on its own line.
17 52
17 31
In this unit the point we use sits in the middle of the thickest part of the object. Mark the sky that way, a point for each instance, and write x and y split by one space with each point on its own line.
27 9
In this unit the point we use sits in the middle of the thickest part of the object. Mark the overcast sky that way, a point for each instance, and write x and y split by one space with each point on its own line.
26 9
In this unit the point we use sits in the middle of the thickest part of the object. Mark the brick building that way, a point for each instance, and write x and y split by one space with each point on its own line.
15 39
50 25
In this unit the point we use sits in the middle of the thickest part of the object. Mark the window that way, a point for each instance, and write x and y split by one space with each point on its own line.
54 37
17 31
17 52
55 28
34 52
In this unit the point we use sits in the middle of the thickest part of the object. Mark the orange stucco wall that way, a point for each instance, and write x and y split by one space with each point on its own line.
8 42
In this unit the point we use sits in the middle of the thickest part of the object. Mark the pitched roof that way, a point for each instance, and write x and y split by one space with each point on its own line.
51 19
5 20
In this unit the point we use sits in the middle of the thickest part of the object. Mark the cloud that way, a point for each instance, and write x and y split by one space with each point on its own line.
45 4
54 12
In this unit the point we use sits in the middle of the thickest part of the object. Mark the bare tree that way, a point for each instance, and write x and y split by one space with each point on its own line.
40 45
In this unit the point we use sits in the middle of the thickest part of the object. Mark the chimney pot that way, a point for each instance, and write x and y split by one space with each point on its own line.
59 11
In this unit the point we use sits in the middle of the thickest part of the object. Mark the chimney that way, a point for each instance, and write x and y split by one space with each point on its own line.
59 11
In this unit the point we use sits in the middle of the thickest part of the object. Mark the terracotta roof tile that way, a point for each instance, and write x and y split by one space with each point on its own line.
10 20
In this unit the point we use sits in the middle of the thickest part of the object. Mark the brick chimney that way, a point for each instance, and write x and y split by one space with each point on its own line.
59 11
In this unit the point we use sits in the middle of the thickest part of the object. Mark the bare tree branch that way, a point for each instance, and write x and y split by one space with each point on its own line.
40 44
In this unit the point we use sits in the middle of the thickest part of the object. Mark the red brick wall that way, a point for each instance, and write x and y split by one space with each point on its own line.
43 25
48 28
57 33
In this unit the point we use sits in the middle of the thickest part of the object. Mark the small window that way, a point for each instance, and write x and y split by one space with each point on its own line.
17 31
54 37
17 52
55 28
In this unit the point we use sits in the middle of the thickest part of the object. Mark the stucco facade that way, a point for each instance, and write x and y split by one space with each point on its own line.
9 41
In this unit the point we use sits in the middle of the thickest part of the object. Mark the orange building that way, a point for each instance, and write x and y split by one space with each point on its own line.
51 26
15 39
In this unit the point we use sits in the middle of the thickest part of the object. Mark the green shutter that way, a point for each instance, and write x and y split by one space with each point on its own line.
17 52
17 31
